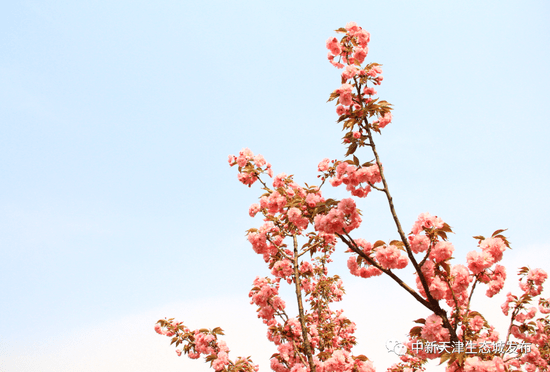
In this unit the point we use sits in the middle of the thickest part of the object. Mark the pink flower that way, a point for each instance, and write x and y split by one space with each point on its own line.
385 119
360 54
222 360
259 160
375 70
493 246
241 161
340 110
461 278
345 94
295 216
352 27
247 178
312 199
254 208
426 221
537 275
367 366
331 60
473 365
390 257
369 91
335 182
334 46
339 362
442 251
353 266
279 180
497 281
419 243
347 206
282 269
476 323
477 262
349 72
370 271
323 165
433 329
294 213
223 346
178 351
364 38
438 288
158 329
506 305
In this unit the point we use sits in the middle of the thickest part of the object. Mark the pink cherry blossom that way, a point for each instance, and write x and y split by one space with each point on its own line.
349 72
433 329
323 165
494 246
477 262
385 120
369 91
419 243
299 254
360 54
538 276
334 46
390 257
345 94
442 251
254 208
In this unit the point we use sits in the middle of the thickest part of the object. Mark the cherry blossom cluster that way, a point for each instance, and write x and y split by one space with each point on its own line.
355 102
531 352
455 284
380 256
319 337
299 232
253 166
524 325
330 334
358 179
203 342
265 295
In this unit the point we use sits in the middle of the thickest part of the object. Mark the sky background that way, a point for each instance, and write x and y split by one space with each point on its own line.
117 204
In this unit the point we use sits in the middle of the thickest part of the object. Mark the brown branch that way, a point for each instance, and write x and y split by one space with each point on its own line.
472 292
301 307
434 304
353 246
374 187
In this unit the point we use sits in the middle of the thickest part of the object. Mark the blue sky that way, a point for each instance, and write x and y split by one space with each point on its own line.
117 204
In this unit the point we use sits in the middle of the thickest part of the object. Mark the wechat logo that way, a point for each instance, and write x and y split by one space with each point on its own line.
396 347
